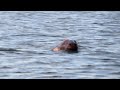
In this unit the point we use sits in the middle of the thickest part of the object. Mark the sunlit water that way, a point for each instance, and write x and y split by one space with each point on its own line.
27 37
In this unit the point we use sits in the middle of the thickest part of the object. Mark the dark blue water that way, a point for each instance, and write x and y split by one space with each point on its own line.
27 37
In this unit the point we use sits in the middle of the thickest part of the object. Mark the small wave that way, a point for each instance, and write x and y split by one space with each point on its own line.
6 67
8 49
28 34
21 72
116 73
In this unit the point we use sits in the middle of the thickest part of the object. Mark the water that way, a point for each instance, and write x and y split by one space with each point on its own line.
27 37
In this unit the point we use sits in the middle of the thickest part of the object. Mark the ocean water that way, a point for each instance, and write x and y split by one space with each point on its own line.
27 37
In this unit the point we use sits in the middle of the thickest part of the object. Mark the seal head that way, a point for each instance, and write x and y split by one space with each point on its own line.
67 45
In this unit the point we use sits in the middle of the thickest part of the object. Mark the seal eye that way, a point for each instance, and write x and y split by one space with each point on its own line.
70 44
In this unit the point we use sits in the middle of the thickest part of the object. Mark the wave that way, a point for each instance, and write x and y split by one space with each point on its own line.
8 49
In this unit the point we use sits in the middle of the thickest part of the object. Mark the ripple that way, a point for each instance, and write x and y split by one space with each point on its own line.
116 73
8 49
6 67
50 77
42 62
49 72
21 72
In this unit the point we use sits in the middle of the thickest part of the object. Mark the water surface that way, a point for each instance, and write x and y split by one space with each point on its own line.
27 37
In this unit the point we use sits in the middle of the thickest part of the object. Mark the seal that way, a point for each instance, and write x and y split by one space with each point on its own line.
67 45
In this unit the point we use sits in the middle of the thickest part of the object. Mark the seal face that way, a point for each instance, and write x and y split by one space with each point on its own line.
67 45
